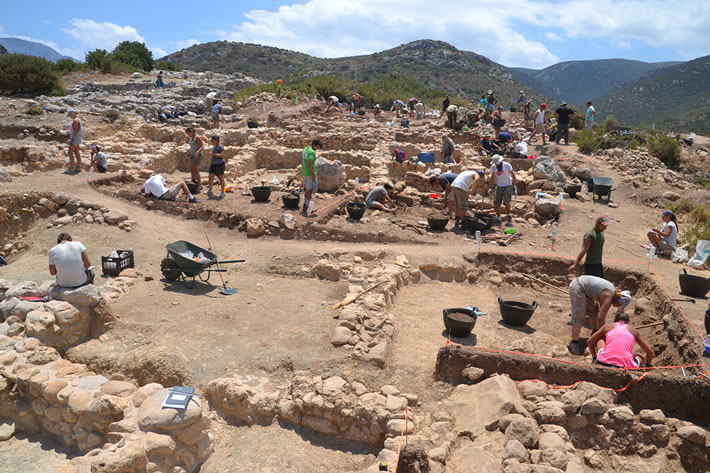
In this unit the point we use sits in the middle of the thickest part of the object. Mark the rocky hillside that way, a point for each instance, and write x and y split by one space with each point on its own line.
674 98
437 64
579 81
31 48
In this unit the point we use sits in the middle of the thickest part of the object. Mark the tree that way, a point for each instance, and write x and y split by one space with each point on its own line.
28 74
2 49
95 59
134 54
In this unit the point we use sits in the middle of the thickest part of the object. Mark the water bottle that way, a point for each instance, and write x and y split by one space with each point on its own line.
478 238
311 208
554 235
91 171
357 182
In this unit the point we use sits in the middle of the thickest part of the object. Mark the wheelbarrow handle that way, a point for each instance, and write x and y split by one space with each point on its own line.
232 261
215 270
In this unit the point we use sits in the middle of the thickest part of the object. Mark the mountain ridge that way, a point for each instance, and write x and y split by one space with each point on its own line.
31 48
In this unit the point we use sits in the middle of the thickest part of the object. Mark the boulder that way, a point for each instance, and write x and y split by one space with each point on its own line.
525 430
4 176
23 289
472 459
544 167
72 206
84 296
114 217
7 430
60 198
474 407
341 336
38 323
152 417
692 433
287 221
255 227
331 175
547 206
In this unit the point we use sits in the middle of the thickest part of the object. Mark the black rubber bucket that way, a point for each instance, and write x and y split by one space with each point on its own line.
707 320
472 224
261 193
355 210
694 286
572 190
193 186
460 322
516 313
437 222
291 201
253 124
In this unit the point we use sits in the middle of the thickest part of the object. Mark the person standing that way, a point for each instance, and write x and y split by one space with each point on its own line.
464 184
445 104
593 248
159 81
589 117
447 149
591 289
503 181
216 167
217 114
309 172
194 155
355 102
521 100
526 113
498 120
563 118
420 110
75 133
69 262
539 120
451 113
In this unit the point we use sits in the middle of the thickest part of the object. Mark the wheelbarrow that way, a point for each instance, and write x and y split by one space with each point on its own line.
602 187
176 265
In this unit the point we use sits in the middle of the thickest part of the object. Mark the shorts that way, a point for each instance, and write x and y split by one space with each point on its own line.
195 160
460 198
101 169
578 301
451 197
594 269
171 193
637 361
504 195
370 204
75 142
540 127
217 169
310 183
665 246
215 117
588 125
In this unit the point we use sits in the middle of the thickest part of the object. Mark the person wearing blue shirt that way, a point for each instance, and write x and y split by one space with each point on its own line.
445 180
217 113
589 118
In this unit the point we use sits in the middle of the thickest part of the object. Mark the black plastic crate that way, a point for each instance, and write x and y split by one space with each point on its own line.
114 266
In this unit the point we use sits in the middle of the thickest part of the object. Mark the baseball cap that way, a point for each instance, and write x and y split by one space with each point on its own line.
604 220
543 105
625 298
71 110
433 179
667 213
563 103
215 137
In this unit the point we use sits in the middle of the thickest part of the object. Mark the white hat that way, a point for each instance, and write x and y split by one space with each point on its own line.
625 298
497 159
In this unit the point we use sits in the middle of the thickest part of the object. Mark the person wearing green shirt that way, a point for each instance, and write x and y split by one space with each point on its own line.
310 172
593 247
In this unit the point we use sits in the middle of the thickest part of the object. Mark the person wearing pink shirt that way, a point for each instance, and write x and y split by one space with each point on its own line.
613 345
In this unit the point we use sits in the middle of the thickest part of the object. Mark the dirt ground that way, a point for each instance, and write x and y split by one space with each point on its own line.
33 454
279 323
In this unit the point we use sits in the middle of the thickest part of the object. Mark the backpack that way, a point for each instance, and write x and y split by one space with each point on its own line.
405 122
399 156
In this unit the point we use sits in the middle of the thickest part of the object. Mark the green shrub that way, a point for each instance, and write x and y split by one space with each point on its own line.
702 182
610 123
700 214
588 141
2 49
135 54
111 115
67 66
168 66
664 148
95 59
27 74
33 111
681 206
577 120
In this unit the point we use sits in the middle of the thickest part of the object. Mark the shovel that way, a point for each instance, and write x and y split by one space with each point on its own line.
227 291
684 300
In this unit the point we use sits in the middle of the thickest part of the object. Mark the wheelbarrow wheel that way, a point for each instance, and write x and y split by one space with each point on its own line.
170 269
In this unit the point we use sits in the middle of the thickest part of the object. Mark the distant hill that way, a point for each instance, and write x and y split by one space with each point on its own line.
579 81
31 48
437 64
673 98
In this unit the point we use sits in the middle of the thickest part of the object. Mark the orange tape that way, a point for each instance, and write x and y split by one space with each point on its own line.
401 439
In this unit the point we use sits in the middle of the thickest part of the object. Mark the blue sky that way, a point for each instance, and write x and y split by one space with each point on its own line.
527 33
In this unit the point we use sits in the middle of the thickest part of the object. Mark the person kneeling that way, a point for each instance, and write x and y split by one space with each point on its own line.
69 262
155 186
613 344
380 194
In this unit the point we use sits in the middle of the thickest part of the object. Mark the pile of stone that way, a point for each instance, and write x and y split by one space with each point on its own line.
331 406
639 164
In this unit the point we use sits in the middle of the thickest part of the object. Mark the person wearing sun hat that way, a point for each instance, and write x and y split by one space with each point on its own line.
584 290
592 248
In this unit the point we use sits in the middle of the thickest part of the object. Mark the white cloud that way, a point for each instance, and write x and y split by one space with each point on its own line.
184 43
158 52
553 36
93 35
334 28
621 44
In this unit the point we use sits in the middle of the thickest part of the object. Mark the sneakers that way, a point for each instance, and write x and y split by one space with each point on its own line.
510 220
193 200
576 348
221 195
498 220
210 195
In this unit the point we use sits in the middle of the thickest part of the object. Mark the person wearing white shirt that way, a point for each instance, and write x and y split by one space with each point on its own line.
667 238
69 262
503 181
464 184
155 187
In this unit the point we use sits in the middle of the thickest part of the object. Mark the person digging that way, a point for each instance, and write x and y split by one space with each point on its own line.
309 172
464 184
586 290
380 198
504 183
613 345
445 180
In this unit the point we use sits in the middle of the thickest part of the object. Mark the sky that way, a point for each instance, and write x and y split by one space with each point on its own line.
523 33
